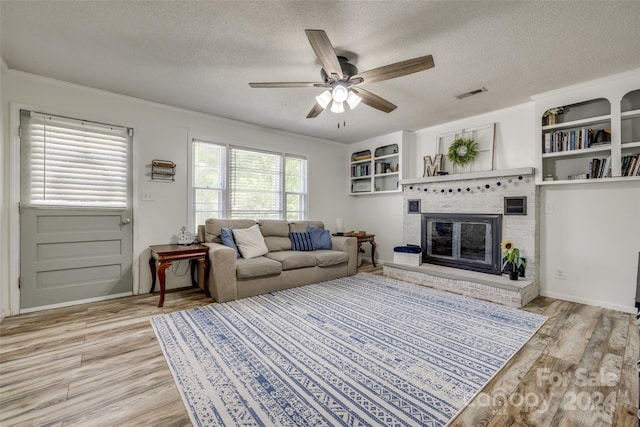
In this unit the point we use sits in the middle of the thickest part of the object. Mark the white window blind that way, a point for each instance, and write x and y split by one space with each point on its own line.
255 184
74 162
208 180
295 184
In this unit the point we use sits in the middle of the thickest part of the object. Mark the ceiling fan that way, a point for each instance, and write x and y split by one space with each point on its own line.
342 79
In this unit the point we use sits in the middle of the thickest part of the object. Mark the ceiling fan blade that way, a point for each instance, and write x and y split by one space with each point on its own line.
373 100
324 51
398 69
287 84
315 111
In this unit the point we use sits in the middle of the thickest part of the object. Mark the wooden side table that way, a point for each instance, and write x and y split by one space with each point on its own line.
164 255
371 239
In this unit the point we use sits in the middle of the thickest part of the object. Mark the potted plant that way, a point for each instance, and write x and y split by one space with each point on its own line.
512 262
552 115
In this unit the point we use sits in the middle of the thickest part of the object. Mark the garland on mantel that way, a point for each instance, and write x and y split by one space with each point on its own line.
465 189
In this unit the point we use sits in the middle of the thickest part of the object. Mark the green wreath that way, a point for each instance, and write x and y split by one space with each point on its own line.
463 151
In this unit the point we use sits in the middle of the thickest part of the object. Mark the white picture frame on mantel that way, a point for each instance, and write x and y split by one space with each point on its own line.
485 137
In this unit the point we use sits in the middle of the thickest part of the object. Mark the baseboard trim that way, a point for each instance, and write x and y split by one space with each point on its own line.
70 303
570 298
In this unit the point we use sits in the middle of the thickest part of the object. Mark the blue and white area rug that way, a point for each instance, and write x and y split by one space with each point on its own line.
362 350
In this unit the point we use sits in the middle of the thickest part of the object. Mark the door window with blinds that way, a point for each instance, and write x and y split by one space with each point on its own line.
235 182
73 163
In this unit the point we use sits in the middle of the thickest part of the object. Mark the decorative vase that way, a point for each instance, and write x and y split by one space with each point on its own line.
552 119
513 275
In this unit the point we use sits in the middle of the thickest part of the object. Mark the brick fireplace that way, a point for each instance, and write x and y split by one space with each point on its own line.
482 194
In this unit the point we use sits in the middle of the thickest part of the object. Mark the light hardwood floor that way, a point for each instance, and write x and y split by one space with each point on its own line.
100 364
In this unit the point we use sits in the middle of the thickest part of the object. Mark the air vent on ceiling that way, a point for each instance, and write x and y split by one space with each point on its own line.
471 93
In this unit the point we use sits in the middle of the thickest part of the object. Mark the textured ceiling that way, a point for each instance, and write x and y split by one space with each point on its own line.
202 55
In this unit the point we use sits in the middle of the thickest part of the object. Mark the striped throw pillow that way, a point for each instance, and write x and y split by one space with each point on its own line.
301 241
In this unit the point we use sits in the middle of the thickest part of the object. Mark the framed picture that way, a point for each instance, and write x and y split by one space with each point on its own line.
484 135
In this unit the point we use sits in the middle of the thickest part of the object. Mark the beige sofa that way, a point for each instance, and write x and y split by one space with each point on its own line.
280 268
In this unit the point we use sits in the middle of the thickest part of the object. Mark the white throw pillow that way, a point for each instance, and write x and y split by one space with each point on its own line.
250 241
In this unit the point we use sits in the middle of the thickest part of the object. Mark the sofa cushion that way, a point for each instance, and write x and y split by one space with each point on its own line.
326 258
257 267
277 243
320 238
212 227
250 242
276 235
301 226
291 260
227 239
272 227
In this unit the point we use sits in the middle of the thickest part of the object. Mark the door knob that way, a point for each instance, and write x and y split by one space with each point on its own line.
126 221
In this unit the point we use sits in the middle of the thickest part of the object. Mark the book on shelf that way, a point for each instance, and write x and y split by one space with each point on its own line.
361 170
630 165
600 168
568 140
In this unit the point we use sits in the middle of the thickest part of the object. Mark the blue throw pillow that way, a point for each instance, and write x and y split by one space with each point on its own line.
228 240
320 238
301 241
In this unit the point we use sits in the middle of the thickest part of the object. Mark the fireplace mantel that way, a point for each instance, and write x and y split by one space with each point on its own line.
470 175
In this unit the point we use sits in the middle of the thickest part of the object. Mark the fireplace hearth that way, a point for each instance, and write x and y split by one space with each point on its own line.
462 240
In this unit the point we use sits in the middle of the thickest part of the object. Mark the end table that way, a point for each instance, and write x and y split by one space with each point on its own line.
164 255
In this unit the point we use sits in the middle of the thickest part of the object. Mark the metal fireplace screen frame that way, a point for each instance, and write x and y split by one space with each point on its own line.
490 261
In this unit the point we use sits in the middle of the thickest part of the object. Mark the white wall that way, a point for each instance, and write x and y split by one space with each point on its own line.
161 132
513 143
594 235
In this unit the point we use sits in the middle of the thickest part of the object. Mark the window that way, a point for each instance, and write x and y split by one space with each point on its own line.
74 162
295 183
208 180
237 182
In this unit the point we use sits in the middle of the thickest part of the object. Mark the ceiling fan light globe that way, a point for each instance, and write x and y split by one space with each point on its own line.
337 107
353 100
339 93
324 99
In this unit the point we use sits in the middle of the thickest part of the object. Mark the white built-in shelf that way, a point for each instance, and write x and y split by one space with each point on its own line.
388 156
376 166
630 114
584 151
578 123
591 181
617 109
